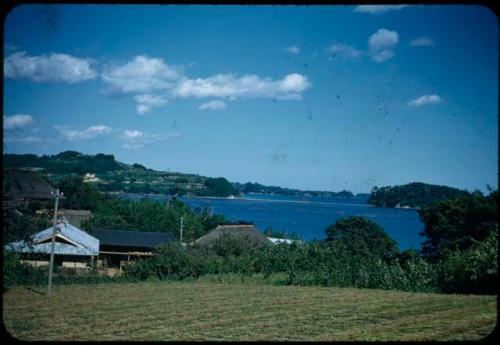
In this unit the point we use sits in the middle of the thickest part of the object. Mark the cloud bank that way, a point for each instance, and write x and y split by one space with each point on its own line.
77 135
248 86
59 68
17 121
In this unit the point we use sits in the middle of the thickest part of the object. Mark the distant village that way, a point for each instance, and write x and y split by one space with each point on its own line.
107 250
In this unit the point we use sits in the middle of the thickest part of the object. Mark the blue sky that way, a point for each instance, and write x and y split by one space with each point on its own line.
309 97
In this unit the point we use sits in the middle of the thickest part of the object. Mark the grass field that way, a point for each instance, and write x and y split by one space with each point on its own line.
210 311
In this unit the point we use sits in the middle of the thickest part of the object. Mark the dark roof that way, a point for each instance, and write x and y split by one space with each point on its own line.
28 184
131 238
248 231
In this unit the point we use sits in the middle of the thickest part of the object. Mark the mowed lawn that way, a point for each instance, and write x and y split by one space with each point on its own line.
210 311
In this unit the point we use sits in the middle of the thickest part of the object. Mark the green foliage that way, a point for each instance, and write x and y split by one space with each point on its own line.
68 162
147 215
219 187
362 237
474 270
261 189
453 225
233 245
79 195
414 194
17 273
170 262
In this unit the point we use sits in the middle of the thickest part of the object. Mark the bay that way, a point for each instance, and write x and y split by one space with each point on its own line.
309 216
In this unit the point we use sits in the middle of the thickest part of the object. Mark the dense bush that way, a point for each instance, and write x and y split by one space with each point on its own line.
170 262
360 236
474 270
317 263
455 224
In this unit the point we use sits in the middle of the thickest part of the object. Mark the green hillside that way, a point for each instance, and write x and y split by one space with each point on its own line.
112 176
415 195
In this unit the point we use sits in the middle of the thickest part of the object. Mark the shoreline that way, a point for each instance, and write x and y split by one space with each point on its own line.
266 200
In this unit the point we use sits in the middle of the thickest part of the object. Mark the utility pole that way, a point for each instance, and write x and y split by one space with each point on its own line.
182 227
51 264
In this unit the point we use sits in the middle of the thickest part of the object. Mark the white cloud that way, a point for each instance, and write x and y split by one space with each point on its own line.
381 44
22 139
421 42
378 9
248 86
213 105
89 133
48 68
426 99
293 50
135 139
142 75
17 121
146 103
343 50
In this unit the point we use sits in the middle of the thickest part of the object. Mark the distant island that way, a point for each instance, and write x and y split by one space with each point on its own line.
110 175
412 195
261 189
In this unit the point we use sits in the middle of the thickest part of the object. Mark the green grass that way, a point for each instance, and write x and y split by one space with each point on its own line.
202 310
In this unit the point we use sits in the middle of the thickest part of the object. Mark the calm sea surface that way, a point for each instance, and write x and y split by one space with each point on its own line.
309 217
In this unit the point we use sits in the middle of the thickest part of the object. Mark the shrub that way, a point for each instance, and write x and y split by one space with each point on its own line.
474 270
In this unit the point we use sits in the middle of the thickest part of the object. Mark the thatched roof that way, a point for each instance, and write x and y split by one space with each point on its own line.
248 231
28 184
75 217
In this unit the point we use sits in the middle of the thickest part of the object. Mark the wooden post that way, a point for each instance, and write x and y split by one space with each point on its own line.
51 263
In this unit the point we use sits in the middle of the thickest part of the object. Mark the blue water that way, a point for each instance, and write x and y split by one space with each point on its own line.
309 216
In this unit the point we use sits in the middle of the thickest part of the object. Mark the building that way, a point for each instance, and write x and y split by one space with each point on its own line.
73 247
25 185
284 240
248 231
118 247
75 217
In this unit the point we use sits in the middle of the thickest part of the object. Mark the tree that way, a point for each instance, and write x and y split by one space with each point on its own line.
362 237
78 194
220 187
454 224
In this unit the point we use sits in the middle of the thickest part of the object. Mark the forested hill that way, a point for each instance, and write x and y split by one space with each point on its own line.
261 189
113 176
415 195
110 175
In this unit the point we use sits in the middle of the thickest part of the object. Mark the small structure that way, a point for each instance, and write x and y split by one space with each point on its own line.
25 185
118 247
73 247
250 232
284 240
89 177
75 217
